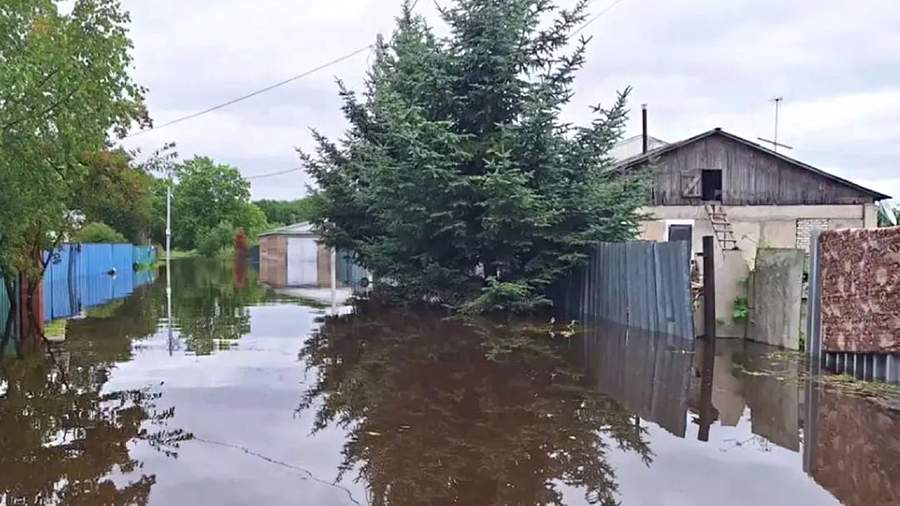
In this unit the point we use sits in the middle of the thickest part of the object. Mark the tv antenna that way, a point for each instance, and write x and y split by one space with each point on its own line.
774 142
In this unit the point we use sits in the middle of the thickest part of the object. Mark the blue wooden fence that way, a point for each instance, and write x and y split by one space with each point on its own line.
81 276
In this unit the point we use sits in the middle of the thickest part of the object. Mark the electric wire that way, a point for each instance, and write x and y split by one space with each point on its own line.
252 93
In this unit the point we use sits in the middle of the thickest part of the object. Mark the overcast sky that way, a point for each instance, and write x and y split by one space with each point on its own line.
699 64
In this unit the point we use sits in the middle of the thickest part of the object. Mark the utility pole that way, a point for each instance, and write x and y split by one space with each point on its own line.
774 142
333 281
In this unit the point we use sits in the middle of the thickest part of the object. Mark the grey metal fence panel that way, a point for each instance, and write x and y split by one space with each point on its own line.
4 307
644 285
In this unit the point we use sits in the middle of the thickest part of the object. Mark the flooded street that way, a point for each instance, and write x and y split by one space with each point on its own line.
255 398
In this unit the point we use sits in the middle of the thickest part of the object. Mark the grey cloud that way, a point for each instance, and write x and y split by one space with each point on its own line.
698 63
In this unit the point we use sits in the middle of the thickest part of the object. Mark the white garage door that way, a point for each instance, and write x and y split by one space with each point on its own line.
302 264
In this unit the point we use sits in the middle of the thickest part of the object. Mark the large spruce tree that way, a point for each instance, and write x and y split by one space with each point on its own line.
457 180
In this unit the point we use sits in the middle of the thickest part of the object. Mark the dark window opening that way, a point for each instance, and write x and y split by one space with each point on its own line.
681 233
712 185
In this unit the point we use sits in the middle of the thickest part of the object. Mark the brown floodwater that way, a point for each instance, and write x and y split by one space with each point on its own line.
250 397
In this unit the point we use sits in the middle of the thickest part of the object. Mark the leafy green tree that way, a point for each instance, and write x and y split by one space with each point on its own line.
251 219
64 86
888 216
99 233
207 194
289 212
116 192
216 239
457 179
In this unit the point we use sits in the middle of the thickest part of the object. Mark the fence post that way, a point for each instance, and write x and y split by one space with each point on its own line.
709 287
814 299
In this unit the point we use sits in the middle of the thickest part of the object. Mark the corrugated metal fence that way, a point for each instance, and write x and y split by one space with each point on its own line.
81 276
640 284
4 307
349 273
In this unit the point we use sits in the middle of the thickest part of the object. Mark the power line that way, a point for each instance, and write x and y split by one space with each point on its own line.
597 16
314 70
273 174
254 93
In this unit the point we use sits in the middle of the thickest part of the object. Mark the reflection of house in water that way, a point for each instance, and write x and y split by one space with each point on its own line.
746 376
661 378
747 197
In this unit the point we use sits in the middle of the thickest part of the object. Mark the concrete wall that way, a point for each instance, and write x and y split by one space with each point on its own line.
777 291
760 226
732 277
754 227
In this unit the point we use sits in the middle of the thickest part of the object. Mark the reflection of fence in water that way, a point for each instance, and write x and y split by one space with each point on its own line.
648 373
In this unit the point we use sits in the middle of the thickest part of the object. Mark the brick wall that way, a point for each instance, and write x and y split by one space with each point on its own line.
273 260
861 290
323 264
805 227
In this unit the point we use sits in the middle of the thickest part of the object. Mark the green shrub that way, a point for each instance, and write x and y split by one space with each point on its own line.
741 309
213 241
500 296
99 233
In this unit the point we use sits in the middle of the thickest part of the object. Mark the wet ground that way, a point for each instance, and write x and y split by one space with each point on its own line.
254 398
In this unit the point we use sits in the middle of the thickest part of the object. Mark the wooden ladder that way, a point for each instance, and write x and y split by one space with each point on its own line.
721 226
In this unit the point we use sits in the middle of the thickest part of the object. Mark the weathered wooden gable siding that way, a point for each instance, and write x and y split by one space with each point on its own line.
749 177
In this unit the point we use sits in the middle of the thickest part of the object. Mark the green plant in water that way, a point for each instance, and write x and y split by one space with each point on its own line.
741 310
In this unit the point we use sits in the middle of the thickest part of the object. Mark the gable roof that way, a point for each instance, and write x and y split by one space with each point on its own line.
297 229
642 158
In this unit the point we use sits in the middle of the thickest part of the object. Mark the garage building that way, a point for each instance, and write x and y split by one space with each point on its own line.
293 256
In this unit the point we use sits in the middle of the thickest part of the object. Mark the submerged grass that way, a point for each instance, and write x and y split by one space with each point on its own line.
850 385
789 366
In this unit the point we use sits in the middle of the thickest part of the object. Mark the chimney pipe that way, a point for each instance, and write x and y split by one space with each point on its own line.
646 138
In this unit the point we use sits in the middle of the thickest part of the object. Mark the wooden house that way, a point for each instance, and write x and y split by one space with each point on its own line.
717 183
748 197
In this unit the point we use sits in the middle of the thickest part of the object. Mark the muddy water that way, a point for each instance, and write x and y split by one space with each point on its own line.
253 398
